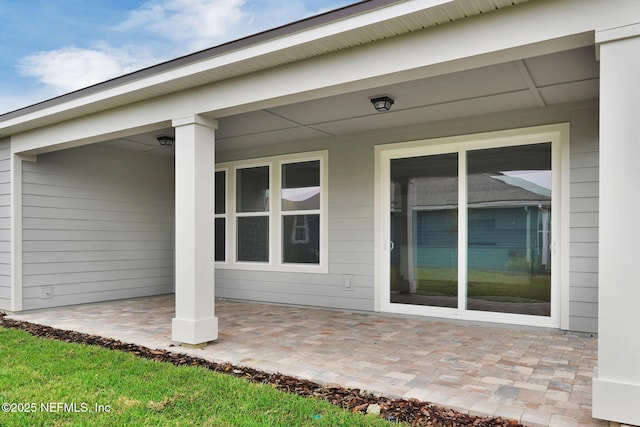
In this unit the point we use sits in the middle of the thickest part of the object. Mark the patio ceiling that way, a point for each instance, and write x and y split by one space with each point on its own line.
558 78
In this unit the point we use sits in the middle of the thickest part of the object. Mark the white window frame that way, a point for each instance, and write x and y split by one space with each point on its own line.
275 213
558 135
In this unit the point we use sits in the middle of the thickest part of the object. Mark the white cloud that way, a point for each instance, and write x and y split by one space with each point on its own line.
70 68
190 24
157 31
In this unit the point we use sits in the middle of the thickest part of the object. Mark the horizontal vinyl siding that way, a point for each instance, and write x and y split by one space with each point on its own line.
5 224
351 221
97 225
583 207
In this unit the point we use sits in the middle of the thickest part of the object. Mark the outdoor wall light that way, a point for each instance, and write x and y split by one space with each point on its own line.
165 140
382 103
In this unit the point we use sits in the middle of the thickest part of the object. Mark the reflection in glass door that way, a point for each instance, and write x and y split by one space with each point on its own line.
471 230
509 230
424 230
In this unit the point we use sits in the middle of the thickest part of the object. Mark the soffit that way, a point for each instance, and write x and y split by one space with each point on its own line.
149 83
560 78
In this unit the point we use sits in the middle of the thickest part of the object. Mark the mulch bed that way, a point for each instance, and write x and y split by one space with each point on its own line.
409 411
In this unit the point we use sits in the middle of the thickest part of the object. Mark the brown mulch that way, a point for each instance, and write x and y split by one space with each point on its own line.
409 411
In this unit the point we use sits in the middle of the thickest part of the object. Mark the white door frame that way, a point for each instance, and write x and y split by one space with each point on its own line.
558 135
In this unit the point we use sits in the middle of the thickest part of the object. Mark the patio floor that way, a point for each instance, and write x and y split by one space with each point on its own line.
539 377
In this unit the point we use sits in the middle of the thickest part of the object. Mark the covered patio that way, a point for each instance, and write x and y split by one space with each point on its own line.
540 377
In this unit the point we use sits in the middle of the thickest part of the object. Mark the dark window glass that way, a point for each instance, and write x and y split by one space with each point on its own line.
301 239
220 185
253 238
252 189
220 239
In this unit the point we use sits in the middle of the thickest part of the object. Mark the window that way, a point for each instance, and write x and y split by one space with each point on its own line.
276 215
301 212
220 217
252 214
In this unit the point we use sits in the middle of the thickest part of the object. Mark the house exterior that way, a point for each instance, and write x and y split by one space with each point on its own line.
319 199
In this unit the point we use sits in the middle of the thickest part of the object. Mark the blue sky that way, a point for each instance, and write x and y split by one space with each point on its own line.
52 47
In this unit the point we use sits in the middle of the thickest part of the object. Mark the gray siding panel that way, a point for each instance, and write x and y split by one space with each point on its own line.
584 208
98 225
5 224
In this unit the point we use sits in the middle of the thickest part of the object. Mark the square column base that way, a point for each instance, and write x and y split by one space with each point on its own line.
615 401
194 332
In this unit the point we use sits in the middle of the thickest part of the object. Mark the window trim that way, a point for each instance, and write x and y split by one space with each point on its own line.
275 213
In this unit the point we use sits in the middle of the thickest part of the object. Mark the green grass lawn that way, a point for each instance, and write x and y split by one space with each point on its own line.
103 387
484 284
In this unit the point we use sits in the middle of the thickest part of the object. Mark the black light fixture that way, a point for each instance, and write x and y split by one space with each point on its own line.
165 140
382 103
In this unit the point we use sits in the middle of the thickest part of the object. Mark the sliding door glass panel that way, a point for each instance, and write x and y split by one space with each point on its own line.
424 230
509 230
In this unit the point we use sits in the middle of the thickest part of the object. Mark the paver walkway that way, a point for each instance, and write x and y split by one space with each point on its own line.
537 376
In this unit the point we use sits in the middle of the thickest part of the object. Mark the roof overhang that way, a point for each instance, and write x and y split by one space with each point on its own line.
351 26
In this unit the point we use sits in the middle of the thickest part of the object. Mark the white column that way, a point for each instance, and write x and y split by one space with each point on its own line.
616 382
195 322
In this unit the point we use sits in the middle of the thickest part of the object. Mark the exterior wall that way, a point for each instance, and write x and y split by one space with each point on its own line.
5 224
98 225
351 213
584 189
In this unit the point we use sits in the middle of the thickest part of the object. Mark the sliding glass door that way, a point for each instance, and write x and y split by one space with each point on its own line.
470 230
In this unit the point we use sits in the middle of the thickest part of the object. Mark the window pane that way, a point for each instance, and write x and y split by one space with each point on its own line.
220 239
252 189
253 238
220 189
301 239
424 230
509 220
301 186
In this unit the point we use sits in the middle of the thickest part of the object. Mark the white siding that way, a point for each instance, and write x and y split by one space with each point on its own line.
98 225
5 224
351 213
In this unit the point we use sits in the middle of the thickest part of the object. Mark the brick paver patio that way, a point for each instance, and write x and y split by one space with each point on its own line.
537 376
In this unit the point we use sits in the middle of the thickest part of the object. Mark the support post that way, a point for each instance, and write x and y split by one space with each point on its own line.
616 382
195 322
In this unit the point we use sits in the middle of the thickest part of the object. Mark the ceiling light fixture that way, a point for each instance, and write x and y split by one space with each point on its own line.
382 103
165 140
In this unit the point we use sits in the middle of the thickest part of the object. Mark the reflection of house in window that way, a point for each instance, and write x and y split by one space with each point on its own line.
300 231
508 218
482 231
